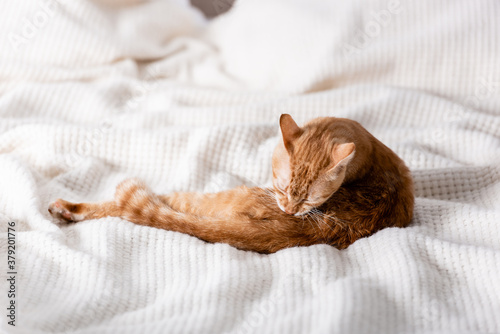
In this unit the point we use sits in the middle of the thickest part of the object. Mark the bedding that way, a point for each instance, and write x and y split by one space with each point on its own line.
93 92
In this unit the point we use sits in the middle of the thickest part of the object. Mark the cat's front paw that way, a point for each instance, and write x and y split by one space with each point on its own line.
62 209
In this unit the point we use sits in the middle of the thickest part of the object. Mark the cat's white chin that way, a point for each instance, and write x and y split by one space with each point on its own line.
298 214
294 214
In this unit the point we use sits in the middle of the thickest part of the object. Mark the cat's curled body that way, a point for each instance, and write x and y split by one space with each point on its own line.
333 184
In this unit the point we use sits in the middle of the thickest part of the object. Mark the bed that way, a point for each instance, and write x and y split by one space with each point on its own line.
93 92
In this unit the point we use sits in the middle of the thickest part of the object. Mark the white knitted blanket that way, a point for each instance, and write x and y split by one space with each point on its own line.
95 91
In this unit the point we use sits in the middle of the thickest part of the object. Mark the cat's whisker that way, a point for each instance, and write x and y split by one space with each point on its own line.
315 219
330 218
309 221
269 193
321 220
325 221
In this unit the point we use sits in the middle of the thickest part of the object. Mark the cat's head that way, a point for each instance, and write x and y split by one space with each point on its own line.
309 164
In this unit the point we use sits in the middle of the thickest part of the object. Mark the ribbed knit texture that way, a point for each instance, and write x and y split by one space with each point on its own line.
105 90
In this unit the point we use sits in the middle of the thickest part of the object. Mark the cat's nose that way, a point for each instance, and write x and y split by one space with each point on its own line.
290 212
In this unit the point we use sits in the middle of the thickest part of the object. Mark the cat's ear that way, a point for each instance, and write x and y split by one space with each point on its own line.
290 131
342 155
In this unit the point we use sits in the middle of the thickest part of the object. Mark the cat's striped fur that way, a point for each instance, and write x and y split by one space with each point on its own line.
333 183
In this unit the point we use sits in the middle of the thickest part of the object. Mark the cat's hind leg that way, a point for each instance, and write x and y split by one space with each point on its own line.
75 212
131 195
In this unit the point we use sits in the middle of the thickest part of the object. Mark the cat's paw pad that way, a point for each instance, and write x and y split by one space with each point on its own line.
62 210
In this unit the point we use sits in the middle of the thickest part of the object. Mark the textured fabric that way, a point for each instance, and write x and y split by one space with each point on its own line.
93 92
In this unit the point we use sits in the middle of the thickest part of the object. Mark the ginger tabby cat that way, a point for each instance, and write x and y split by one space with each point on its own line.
333 184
